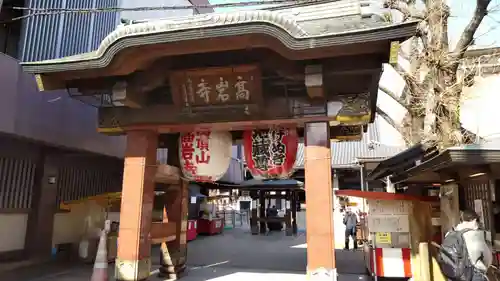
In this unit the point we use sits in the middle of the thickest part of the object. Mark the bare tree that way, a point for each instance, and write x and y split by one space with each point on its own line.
433 84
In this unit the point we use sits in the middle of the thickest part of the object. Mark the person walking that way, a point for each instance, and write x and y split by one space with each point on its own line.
350 222
465 254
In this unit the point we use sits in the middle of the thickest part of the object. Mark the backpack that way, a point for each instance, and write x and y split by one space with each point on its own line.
453 258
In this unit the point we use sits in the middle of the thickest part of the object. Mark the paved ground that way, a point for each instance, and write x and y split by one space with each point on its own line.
234 255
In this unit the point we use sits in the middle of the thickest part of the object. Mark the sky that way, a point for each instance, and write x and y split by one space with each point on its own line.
461 12
488 34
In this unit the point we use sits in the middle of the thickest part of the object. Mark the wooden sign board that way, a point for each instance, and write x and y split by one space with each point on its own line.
217 86
388 223
387 207
347 133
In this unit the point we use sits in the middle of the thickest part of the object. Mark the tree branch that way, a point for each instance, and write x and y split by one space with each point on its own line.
387 118
468 33
394 96
410 81
406 8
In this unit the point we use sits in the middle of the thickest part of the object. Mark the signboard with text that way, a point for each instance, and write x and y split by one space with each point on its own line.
217 86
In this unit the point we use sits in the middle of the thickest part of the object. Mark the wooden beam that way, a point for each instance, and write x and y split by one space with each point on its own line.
125 94
167 174
162 232
48 83
152 77
132 59
272 111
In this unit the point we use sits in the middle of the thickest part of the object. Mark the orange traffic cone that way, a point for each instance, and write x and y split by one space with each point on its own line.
100 272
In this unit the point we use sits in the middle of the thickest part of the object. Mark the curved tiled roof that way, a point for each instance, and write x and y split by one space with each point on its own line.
311 27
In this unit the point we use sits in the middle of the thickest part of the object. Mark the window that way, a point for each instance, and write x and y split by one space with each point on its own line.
10 31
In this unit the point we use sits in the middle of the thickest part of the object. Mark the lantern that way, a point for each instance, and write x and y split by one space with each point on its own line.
270 154
205 156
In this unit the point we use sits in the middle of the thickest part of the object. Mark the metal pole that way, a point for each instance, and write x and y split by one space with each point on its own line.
362 184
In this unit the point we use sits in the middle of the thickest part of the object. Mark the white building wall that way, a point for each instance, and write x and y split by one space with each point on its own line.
12 231
147 15
479 111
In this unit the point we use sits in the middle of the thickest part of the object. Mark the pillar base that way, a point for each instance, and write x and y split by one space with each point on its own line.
322 274
132 270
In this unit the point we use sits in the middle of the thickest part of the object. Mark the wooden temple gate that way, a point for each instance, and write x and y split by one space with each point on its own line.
224 73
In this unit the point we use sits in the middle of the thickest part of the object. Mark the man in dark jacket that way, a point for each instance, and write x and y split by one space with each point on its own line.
350 222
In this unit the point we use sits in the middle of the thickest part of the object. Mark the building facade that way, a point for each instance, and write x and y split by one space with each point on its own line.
50 151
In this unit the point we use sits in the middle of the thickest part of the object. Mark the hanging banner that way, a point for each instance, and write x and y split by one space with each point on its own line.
205 156
271 154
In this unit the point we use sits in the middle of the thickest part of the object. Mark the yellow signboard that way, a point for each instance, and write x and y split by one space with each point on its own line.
383 238
394 52
39 83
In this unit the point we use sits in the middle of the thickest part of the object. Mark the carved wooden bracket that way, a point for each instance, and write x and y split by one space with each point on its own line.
314 81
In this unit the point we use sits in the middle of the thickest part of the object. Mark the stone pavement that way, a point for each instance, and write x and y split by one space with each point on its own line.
233 255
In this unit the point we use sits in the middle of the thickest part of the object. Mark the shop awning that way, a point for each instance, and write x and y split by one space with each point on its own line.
374 195
104 200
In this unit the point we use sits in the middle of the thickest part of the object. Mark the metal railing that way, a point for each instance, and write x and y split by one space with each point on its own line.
235 218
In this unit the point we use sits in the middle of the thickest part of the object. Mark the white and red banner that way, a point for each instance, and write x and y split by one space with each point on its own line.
205 156
271 154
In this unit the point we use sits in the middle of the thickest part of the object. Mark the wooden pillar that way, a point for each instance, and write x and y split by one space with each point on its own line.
134 241
319 214
177 212
43 208
262 211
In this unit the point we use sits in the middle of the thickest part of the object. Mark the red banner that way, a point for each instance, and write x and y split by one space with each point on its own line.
271 154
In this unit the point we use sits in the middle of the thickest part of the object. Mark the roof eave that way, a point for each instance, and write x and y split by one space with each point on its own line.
448 158
440 161
383 169
292 40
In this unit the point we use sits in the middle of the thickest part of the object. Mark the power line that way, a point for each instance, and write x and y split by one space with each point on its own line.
55 11
160 8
